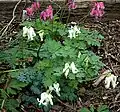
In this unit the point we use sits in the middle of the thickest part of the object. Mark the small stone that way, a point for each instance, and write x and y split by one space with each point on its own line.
105 97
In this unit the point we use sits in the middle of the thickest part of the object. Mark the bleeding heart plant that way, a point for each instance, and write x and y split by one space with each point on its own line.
51 58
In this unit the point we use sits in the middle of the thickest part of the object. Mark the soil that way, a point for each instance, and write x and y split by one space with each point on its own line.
109 51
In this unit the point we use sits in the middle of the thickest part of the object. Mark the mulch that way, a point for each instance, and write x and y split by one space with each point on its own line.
110 53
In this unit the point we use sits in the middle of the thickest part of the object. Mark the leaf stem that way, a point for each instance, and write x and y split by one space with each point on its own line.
38 51
68 17
6 85
7 71
2 105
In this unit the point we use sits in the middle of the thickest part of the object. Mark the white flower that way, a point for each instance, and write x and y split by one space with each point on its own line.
79 54
51 88
25 31
73 32
29 32
111 80
24 15
73 68
41 33
68 67
76 29
56 88
46 98
66 72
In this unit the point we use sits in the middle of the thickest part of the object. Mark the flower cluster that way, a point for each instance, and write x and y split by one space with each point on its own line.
55 88
44 15
47 14
110 80
71 67
34 7
71 4
46 97
29 32
73 32
41 33
97 10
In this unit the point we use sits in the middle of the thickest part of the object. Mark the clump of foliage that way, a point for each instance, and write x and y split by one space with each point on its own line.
47 52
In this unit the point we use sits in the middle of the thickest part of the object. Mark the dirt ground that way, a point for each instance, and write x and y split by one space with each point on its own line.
110 53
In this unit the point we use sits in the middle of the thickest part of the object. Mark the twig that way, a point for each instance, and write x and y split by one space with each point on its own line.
84 17
118 110
56 5
62 13
113 57
13 17
111 66
3 28
68 17
117 96
113 102
6 85
101 77
2 104
7 27
109 61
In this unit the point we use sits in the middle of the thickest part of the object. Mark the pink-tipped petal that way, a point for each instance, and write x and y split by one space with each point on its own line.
101 5
35 6
97 10
29 11
43 15
47 14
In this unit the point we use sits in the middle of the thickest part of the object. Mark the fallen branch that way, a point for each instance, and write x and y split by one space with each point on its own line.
101 77
13 17
96 83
